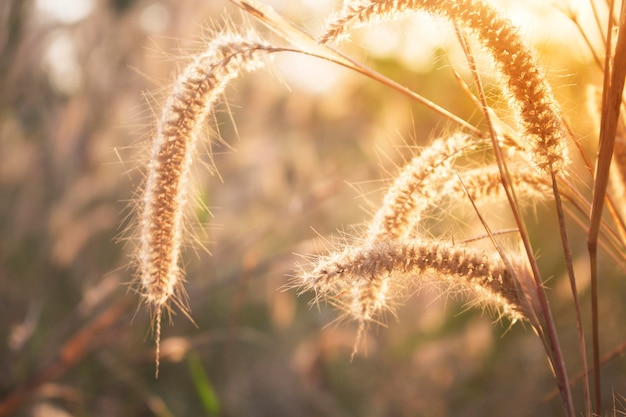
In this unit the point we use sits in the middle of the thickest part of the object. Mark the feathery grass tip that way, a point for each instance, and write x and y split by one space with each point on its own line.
166 188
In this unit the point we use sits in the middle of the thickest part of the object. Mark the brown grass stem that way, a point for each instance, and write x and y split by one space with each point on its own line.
606 358
552 342
611 103
569 264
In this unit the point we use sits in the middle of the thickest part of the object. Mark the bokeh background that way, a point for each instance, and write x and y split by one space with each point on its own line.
307 150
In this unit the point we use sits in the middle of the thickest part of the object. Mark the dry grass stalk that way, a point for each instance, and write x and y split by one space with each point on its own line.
422 184
166 191
413 189
612 99
364 280
530 93
430 177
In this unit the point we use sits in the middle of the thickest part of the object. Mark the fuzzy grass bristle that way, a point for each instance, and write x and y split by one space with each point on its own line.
530 94
364 280
413 189
167 186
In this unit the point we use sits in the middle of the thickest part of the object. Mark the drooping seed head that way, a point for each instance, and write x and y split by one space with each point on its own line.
530 94
167 186
365 280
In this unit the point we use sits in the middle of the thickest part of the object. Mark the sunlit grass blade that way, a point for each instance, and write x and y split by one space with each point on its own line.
202 383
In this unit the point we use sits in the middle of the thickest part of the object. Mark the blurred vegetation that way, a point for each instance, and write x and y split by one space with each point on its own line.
77 105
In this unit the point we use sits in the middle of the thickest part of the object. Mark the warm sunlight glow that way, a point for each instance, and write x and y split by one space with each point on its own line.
61 63
65 11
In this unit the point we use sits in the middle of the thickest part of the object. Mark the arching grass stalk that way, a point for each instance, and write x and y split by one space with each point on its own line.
364 279
530 93
165 193
548 335
166 190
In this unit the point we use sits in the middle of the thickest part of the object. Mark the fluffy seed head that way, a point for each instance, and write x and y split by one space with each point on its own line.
530 93
167 186
416 186
364 279
166 190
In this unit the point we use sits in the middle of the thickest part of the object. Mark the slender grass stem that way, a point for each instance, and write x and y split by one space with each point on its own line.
612 99
552 343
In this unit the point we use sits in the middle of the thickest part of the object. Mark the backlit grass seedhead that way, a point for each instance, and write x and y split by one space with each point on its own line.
530 94
365 280
167 186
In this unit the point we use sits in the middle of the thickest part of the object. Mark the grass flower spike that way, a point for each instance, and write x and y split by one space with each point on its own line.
364 281
414 187
530 93
166 189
